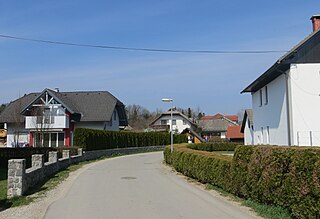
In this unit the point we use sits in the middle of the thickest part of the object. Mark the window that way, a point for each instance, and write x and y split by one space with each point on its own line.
268 135
60 139
260 97
163 122
174 122
266 95
262 139
184 122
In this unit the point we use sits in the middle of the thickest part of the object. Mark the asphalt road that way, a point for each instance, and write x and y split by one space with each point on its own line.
138 186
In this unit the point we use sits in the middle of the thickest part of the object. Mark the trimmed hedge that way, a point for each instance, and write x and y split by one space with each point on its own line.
91 139
27 152
217 146
283 176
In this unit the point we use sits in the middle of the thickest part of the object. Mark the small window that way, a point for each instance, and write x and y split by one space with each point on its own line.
184 122
163 122
266 95
174 122
262 139
260 97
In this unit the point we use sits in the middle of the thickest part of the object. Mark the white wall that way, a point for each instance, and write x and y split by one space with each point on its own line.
248 134
305 99
23 134
272 115
179 122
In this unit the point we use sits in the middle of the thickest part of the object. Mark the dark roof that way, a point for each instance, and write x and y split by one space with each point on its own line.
247 114
92 105
215 125
307 51
173 113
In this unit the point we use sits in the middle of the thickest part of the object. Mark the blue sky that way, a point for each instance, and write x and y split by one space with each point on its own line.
212 82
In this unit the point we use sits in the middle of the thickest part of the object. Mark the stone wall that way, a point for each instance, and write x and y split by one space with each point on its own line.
21 179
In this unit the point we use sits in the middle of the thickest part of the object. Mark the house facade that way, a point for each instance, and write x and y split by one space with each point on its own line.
49 118
215 127
179 122
247 127
286 98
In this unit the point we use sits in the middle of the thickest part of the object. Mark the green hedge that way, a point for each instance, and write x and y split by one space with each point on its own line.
217 146
282 176
27 152
91 139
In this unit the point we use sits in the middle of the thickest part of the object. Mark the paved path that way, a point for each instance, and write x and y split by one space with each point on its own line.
138 186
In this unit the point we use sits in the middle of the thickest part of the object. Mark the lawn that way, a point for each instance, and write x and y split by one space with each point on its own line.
228 153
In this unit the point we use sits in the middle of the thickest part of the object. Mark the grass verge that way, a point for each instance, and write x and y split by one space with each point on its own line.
266 211
40 189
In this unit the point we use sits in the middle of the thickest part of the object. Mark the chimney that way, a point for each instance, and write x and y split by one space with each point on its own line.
56 89
315 22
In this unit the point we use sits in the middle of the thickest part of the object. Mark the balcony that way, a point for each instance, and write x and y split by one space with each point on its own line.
50 122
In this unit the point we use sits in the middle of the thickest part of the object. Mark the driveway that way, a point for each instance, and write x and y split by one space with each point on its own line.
139 186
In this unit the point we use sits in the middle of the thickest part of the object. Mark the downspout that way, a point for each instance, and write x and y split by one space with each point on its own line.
288 103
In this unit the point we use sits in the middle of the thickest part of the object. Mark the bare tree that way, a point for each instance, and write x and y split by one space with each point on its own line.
41 123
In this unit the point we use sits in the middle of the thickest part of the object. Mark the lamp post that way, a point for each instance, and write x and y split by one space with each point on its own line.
167 100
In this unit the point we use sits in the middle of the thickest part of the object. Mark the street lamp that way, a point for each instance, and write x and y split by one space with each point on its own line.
167 100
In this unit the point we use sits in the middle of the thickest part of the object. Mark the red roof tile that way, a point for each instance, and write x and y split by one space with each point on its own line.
234 132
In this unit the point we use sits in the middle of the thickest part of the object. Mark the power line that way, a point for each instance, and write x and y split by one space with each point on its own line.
143 49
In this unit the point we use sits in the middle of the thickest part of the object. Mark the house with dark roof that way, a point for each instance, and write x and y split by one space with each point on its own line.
215 128
50 117
247 127
179 122
286 97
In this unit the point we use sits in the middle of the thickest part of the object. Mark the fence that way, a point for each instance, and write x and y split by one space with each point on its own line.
21 179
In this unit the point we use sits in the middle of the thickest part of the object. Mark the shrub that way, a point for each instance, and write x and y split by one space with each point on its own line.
282 176
27 152
90 139
218 146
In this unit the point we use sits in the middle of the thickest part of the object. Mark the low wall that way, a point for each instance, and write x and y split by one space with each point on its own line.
21 179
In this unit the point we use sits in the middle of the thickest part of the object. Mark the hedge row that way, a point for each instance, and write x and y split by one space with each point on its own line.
282 176
217 146
27 152
90 139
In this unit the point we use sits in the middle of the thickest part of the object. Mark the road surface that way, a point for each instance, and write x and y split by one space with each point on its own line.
138 187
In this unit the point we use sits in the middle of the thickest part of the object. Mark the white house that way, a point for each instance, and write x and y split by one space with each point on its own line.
286 98
179 122
247 127
49 118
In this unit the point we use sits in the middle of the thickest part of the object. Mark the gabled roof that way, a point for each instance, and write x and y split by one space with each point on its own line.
307 51
92 105
247 114
233 132
216 125
190 131
233 118
168 113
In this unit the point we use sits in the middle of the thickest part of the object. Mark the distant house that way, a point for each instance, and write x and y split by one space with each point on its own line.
193 137
247 127
49 118
179 122
234 134
233 118
215 127
285 98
